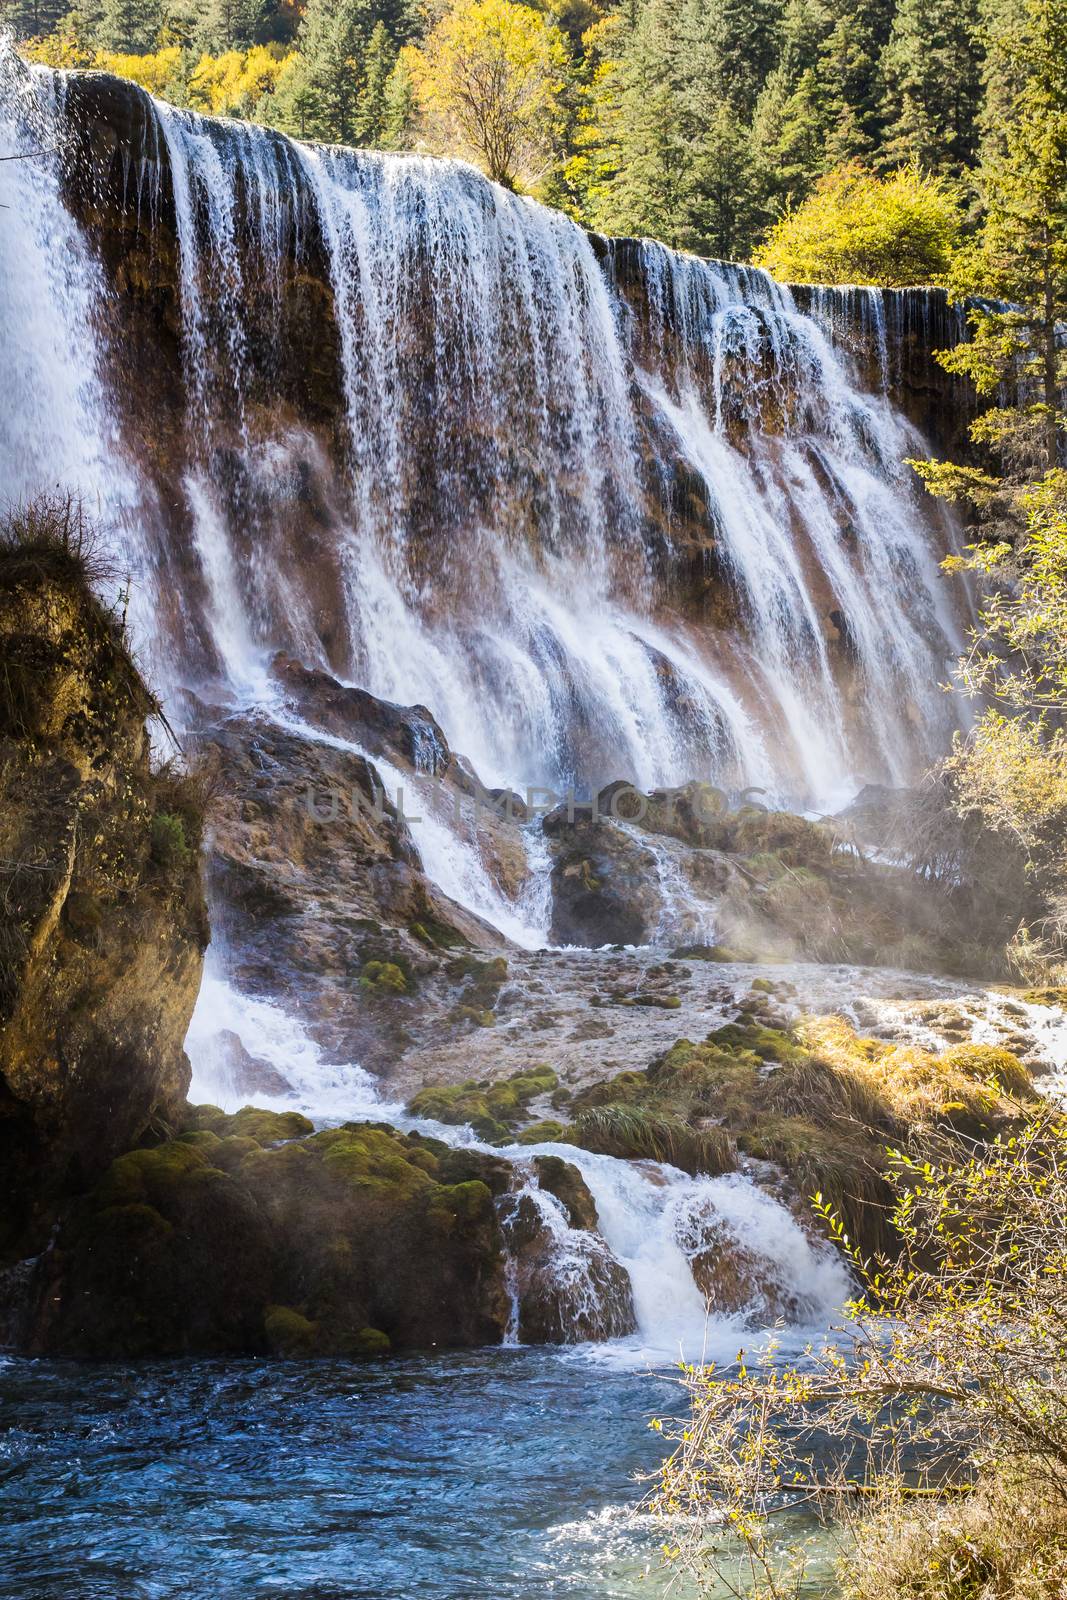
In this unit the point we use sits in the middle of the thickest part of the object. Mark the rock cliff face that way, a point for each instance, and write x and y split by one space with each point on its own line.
103 923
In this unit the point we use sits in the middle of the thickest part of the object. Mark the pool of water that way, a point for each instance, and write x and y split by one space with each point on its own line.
486 1475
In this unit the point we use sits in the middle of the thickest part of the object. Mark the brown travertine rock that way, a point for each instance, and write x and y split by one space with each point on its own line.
102 916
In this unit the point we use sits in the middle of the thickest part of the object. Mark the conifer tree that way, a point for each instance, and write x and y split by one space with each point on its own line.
789 132
1020 257
723 204
130 26
379 62
230 25
931 68
332 39
31 19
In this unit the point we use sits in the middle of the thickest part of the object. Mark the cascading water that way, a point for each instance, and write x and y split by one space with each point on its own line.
496 522
433 438
653 1223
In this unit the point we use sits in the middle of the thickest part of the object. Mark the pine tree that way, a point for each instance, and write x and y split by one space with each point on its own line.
31 19
130 26
725 50
931 68
1020 255
723 203
379 62
332 39
230 25
643 127
789 133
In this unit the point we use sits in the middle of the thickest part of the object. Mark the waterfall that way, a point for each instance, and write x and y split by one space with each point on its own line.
654 1221
532 448
607 510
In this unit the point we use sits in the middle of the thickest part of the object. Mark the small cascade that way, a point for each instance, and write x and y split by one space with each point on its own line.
674 1263
753 1259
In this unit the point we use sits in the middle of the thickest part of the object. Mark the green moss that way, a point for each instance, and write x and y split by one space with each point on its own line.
289 1333
212 1117
436 935
542 1133
369 1342
370 1160
148 1175
770 1044
266 1127
480 1018
762 986
231 1151
658 1002
383 978
202 1139
461 1203
490 1109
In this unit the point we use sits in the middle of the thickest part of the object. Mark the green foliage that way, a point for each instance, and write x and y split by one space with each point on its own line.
699 122
931 72
859 228
1012 771
949 1375
169 848
383 978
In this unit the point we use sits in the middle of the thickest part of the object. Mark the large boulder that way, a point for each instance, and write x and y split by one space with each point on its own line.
251 1233
605 887
567 1285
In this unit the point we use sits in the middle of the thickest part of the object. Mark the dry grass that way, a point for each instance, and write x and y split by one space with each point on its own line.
1007 1541
968 1086
637 1132
51 538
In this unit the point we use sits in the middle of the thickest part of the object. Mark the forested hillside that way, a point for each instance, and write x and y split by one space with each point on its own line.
699 122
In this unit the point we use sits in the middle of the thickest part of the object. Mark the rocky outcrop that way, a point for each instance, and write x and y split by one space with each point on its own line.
314 874
252 1234
777 886
567 1285
102 918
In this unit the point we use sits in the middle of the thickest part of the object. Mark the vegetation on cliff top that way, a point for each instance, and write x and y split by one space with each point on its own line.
699 122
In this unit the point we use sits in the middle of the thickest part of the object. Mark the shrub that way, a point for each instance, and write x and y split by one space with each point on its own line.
170 849
859 228
948 1380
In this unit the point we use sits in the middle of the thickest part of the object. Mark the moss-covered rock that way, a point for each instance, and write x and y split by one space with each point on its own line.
492 1109
271 1238
819 1100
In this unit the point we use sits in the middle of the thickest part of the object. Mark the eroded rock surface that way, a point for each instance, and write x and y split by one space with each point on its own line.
102 918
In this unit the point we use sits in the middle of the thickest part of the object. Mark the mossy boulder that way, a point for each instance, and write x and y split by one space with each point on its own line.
492 1109
288 1333
564 1180
260 1236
